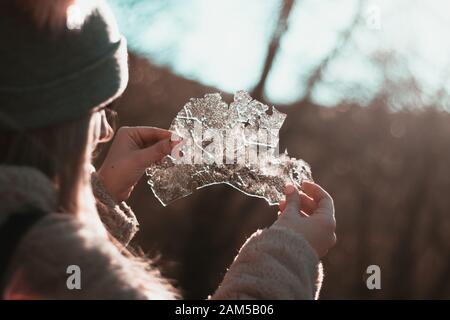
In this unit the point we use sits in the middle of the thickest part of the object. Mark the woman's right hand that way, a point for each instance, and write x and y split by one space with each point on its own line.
133 150
310 213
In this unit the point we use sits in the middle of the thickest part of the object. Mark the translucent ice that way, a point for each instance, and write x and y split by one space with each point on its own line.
235 144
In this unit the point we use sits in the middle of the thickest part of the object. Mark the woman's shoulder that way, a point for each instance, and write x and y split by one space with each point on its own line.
59 244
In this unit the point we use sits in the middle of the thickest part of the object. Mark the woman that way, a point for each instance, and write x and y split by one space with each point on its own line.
63 63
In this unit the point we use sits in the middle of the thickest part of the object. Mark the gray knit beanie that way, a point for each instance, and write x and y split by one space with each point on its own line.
47 78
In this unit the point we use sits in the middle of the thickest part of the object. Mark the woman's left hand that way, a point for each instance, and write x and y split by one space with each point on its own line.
132 151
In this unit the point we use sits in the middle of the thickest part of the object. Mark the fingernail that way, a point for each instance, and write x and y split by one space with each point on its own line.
288 189
173 143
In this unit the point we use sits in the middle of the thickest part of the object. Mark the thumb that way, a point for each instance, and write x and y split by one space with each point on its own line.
155 152
292 199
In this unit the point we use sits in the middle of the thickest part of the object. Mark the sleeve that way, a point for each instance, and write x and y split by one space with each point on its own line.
118 219
60 241
276 263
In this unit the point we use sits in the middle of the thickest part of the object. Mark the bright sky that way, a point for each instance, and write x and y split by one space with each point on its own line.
223 43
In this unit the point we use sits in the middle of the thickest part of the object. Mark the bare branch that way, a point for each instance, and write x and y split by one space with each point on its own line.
281 28
316 75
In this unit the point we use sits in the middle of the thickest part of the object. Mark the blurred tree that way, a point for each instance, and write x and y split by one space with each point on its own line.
387 171
316 75
274 45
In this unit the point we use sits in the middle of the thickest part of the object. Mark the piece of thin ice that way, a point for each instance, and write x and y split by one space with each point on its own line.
174 177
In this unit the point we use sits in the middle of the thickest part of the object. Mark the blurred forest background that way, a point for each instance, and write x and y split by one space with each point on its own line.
365 85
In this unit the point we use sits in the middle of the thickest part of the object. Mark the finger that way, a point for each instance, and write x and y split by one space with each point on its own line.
292 199
155 152
320 196
145 136
282 205
308 205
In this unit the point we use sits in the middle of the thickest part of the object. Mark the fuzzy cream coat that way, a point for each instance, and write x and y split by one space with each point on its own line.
275 263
